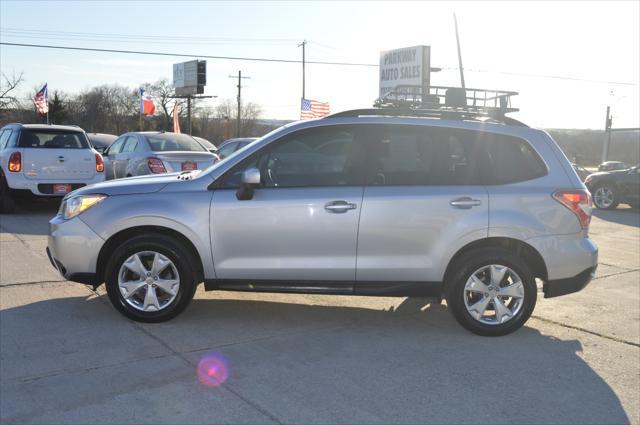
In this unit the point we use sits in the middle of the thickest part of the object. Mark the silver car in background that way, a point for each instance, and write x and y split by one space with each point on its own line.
152 152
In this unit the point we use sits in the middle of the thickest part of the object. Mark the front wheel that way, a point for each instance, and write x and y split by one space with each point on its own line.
605 197
492 293
150 278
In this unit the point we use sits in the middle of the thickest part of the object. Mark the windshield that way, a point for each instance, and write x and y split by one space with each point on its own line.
60 139
173 142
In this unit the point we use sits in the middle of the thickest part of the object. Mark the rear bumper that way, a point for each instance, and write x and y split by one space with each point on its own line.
556 288
17 181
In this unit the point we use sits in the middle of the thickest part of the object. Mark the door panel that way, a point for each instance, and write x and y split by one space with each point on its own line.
285 234
407 232
302 222
420 203
110 158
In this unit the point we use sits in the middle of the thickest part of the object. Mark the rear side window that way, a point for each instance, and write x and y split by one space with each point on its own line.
418 156
510 160
59 139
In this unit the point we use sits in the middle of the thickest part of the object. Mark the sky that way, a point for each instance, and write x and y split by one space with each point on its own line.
568 60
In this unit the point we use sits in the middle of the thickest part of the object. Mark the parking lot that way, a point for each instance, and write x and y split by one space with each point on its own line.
68 357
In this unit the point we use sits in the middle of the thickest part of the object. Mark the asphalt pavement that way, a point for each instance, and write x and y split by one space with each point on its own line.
66 356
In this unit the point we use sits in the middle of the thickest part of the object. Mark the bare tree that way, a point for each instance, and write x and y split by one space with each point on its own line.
250 112
163 94
8 85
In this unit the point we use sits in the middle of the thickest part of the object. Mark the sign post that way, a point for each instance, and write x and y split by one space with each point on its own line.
408 66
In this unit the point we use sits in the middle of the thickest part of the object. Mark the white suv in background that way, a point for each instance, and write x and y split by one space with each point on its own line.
45 160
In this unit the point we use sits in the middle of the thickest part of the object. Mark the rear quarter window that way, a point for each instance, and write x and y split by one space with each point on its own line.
57 139
510 160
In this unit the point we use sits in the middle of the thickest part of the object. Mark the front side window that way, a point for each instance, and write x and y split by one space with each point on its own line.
116 147
130 144
227 149
308 158
61 139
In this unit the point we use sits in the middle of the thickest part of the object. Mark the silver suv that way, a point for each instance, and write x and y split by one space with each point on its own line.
359 203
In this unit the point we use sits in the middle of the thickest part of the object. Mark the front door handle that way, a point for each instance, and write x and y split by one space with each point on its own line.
339 206
465 203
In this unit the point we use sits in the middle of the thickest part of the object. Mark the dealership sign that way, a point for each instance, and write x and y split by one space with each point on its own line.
408 66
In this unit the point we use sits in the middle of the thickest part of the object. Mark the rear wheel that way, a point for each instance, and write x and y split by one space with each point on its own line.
150 278
492 292
605 197
7 203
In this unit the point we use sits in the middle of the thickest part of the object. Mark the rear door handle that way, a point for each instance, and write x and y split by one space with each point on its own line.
465 203
339 206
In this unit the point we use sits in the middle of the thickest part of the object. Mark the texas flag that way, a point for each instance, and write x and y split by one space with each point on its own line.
146 104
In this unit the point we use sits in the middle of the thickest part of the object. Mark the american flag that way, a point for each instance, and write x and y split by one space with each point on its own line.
313 109
42 100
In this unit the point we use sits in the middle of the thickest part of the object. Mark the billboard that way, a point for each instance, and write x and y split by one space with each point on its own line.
405 66
190 77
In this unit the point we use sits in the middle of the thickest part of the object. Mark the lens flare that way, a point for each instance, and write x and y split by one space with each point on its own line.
212 370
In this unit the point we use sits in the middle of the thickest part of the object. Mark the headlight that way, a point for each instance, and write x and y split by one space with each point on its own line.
77 204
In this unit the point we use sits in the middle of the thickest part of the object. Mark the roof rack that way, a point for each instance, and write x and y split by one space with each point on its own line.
443 102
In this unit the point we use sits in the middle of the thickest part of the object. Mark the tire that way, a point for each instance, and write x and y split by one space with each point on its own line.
605 197
181 269
478 263
7 203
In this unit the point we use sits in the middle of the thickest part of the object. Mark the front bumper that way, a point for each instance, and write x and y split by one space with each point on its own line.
556 288
73 249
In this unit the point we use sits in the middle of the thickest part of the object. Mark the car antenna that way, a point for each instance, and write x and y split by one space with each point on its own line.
455 22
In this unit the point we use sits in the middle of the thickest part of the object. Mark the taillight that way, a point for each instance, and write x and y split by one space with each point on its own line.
156 166
15 162
579 202
99 163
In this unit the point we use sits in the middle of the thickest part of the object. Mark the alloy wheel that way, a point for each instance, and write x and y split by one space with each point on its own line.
494 294
148 281
603 197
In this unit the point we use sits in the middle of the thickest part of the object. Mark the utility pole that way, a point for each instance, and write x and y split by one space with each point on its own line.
607 130
240 77
303 45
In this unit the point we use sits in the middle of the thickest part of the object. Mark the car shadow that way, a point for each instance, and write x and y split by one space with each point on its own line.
31 216
621 215
336 363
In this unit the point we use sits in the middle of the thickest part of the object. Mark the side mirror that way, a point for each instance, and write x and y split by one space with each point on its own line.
250 180
101 150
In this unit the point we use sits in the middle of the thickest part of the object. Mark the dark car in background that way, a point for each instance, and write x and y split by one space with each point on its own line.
610 188
155 152
101 141
229 146
612 166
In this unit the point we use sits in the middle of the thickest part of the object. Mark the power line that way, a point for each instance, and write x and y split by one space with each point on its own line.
370 65
136 52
